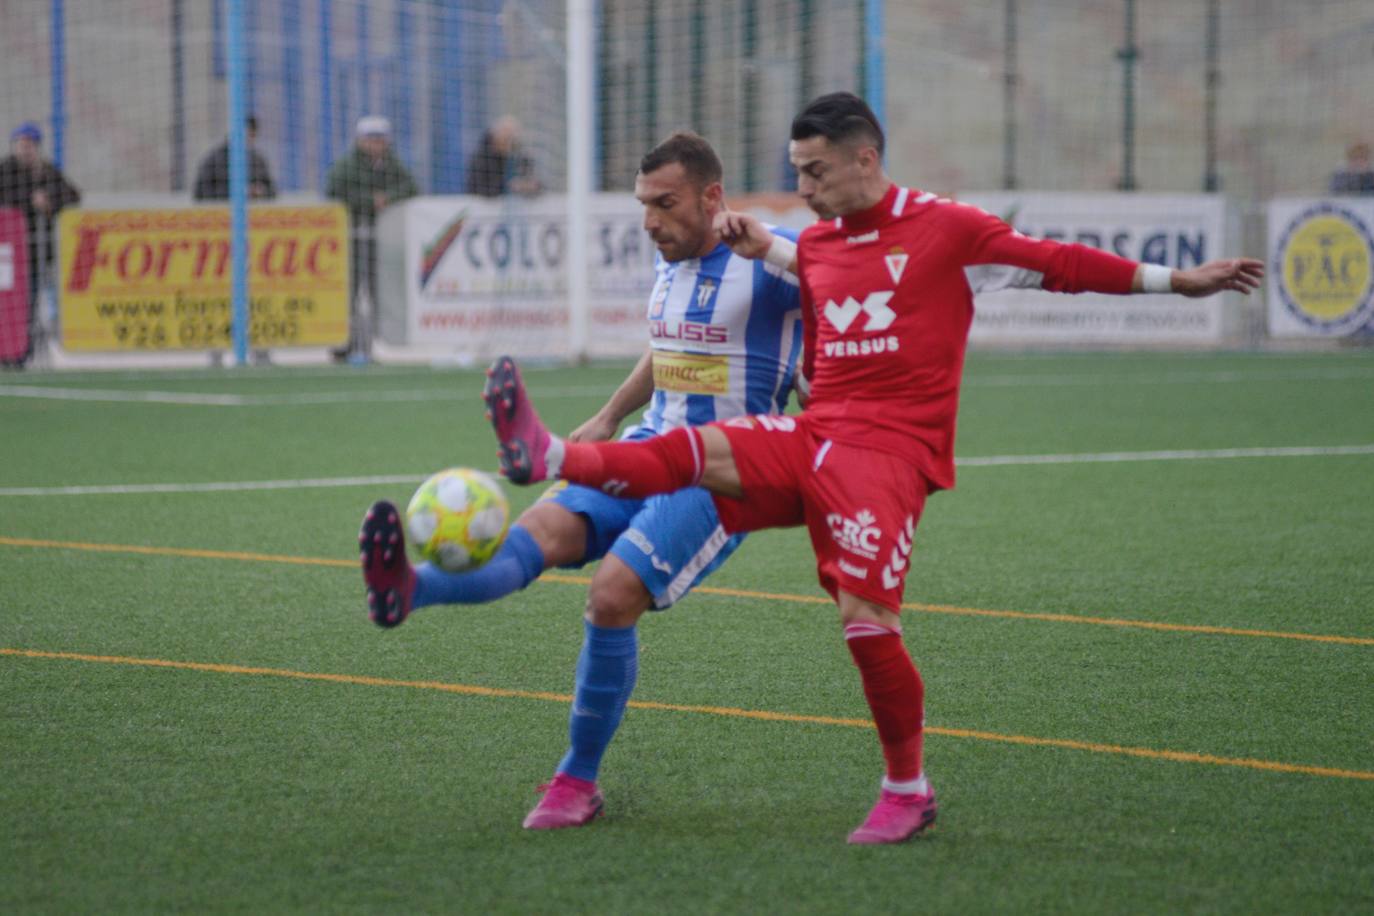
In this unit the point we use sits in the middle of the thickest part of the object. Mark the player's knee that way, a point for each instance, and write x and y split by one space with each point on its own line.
560 534
616 597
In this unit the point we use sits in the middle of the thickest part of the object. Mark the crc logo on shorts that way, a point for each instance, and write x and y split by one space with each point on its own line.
1324 269
858 535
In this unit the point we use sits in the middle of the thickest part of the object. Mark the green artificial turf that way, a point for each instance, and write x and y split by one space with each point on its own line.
131 787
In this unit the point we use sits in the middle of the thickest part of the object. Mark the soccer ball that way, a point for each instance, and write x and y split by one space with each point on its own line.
458 519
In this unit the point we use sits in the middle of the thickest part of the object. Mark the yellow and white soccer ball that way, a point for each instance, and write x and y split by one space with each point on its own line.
458 519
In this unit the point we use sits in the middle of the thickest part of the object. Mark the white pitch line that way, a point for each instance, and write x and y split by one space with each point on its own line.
231 486
271 400
1182 377
987 461
1315 451
1028 380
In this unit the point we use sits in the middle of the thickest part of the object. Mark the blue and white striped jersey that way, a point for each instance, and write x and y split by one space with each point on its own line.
726 338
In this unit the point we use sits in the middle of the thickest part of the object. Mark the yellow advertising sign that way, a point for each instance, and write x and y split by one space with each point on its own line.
691 373
160 279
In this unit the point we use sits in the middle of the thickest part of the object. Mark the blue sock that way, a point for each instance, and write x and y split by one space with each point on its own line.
518 563
606 672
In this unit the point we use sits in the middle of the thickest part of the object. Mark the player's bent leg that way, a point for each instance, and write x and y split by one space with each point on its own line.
546 534
606 673
387 573
896 696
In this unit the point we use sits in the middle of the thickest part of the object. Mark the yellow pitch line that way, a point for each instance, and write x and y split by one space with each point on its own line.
723 711
726 592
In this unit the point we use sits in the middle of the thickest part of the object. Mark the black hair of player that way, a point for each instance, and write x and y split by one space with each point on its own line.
840 117
692 151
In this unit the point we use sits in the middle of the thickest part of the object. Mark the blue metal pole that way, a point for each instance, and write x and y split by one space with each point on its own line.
58 66
250 57
875 86
326 78
364 61
447 159
238 178
397 101
292 83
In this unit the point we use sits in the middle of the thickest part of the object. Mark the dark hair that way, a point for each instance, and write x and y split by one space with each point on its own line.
840 117
251 122
692 151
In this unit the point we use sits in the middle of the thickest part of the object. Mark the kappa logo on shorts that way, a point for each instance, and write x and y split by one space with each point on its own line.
614 487
901 553
858 535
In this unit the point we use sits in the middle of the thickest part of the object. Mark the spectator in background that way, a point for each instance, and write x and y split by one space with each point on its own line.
32 184
212 176
500 166
368 179
212 183
1358 175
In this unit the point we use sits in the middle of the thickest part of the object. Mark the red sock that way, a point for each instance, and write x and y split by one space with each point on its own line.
658 465
895 694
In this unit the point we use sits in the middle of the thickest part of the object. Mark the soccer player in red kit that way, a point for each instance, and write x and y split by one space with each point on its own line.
886 305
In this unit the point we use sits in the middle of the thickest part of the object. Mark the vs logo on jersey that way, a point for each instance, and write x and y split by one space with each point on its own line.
880 317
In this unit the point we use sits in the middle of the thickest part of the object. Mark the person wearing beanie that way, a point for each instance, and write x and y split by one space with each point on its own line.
367 179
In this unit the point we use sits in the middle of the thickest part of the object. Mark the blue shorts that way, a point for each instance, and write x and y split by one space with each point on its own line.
671 542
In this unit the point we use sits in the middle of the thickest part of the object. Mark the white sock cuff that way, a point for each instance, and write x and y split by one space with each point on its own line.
863 628
917 786
553 457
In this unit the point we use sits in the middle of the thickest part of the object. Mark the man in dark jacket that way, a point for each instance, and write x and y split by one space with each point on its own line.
35 186
367 179
212 176
500 166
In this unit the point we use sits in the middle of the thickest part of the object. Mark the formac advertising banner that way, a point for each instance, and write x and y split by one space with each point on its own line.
1177 230
1320 256
160 279
489 276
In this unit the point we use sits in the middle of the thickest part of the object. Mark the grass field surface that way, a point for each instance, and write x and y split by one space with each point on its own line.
1145 619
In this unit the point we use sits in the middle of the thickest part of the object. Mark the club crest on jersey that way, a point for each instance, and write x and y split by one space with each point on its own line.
705 290
880 317
896 264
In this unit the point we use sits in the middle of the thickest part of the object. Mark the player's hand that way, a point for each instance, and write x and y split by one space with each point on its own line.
745 234
597 429
1241 275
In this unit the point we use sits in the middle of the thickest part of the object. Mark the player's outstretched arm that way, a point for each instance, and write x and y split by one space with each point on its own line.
749 238
632 394
1241 275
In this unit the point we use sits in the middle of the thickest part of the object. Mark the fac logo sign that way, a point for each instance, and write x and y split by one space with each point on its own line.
1325 255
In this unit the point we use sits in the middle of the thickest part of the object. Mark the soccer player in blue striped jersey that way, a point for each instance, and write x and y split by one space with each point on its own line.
725 335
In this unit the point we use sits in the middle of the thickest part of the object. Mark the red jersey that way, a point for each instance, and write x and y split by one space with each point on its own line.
886 308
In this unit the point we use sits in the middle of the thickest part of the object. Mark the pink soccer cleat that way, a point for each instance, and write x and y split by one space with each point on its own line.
895 817
527 448
567 802
390 580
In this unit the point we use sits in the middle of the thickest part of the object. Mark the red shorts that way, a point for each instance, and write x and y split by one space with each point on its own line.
860 506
